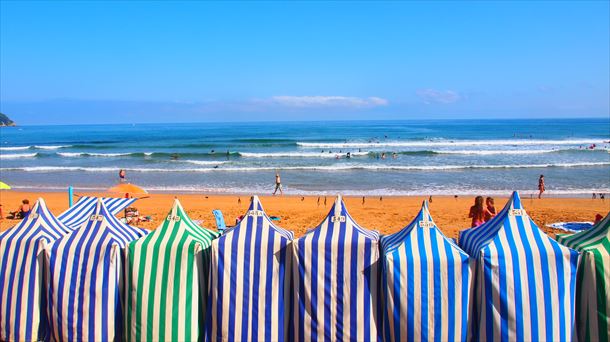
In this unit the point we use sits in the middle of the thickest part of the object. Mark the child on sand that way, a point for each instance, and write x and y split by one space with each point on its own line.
491 209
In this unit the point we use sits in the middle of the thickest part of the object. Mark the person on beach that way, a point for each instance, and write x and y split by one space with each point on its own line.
278 184
122 176
477 212
491 209
22 212
540 186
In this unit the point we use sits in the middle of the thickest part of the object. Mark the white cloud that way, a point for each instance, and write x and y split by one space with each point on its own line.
327 101
438 96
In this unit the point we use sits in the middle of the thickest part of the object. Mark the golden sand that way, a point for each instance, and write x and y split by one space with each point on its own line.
300 214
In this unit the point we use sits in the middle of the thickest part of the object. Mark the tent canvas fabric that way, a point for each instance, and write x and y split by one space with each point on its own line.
336 275
80 212
166 281
593 288
84 278
22 314
426 284
525 281
250 281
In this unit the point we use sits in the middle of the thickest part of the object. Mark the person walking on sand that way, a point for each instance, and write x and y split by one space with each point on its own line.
278 184
540 186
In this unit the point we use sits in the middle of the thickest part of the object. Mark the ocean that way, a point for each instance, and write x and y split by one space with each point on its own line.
452 157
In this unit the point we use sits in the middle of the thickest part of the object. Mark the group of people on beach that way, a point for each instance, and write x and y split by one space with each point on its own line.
482 212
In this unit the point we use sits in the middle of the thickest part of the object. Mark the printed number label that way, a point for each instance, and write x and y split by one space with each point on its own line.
337 219
173 218
96 218
256 213
426 224
517 212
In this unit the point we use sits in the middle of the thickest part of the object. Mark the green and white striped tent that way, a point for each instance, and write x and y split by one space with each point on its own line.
166 281
593 287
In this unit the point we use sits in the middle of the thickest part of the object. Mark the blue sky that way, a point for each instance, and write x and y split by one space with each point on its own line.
106 62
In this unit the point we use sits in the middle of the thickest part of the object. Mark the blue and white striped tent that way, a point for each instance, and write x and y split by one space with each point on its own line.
22 315
83 281
336 275
426 284
250 281
525 281
79 213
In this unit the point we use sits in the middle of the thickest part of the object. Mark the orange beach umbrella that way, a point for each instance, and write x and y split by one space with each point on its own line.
128 188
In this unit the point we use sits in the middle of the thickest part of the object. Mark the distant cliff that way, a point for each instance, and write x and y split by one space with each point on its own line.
5 121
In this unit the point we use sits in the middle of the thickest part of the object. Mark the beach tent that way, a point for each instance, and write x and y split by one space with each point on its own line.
426 284
593 287
166 278
525 281
84 278
250 281
79 213
336 275
22 314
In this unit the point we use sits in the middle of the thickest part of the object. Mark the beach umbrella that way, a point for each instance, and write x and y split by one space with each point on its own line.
127 188
84 279
250 281
22 312
336 275
525 281
79 213
4 186
593 287
426 284
167 273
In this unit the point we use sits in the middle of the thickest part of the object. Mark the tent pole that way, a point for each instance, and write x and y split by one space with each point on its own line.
70 195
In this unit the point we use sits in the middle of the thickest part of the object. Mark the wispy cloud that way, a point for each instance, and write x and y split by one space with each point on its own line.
430 96
327 101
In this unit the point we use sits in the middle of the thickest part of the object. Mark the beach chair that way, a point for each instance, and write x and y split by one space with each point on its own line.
220 220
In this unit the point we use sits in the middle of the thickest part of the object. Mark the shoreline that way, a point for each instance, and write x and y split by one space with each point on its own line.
565 194
300 213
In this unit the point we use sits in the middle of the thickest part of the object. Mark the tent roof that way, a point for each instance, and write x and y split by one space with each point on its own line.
178 214
589 239
423 220
474 239
256 210
102 221
79 213
40 218
339 213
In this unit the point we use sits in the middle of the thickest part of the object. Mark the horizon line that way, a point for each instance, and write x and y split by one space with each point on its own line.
311 121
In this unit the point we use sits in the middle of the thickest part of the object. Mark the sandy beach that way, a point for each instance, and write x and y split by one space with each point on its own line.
300 214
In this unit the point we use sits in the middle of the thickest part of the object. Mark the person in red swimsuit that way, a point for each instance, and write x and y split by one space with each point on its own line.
540 186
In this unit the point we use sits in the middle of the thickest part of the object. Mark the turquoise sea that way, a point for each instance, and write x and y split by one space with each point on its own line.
421 157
